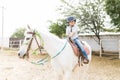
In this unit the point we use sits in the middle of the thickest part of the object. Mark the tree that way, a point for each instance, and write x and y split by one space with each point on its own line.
112 8
19 33
90 15
58 28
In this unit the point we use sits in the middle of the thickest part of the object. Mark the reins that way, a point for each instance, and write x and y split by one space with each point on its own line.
46 59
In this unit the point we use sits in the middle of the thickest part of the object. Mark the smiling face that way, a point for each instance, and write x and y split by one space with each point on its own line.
72 23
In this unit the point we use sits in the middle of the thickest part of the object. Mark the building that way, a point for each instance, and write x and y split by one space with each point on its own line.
11 42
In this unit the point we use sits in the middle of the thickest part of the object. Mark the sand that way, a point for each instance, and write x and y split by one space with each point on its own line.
14 68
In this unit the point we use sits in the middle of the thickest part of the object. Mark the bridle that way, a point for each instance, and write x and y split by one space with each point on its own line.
29 44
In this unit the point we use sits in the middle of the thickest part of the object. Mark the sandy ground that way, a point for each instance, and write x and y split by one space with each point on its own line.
13 68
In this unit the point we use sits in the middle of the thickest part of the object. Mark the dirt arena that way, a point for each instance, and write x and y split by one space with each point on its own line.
13 68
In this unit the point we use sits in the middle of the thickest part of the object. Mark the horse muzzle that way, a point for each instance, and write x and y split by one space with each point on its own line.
21 56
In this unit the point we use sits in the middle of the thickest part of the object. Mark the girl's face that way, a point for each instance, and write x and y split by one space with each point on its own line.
72 23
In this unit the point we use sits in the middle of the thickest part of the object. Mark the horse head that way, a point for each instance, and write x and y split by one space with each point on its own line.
24 48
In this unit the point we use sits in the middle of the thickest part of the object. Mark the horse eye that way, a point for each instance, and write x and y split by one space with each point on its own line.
27 38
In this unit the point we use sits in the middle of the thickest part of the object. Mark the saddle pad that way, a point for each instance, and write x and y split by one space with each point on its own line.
75 48
86 49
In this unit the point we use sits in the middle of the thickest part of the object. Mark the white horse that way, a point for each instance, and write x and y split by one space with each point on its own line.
65 62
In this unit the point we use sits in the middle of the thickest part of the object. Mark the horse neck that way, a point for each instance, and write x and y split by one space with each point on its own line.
52 43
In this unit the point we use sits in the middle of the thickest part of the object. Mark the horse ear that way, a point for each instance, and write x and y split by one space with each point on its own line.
28 26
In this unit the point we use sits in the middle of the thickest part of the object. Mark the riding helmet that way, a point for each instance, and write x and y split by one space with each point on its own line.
71 19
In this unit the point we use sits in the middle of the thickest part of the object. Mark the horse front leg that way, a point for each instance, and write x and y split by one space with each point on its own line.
67 75
57 69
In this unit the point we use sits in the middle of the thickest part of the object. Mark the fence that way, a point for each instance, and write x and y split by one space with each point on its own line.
109 42
119 49
15 42
110 45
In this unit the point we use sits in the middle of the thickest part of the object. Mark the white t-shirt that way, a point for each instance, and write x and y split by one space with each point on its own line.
74 30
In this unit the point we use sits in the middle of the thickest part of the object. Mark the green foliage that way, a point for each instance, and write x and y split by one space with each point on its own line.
19 33
113 10
40 38
58 28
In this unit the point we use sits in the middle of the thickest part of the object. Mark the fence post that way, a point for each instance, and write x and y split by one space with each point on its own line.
119 49
100 48
20 43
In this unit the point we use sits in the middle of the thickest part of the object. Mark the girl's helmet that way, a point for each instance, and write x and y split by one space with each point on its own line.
71 19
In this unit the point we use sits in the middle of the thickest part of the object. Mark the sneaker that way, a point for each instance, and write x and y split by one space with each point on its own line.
85 61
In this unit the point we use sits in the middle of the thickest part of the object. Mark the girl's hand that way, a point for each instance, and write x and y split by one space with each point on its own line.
70 35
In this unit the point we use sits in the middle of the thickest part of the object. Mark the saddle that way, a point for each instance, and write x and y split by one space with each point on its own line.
78 52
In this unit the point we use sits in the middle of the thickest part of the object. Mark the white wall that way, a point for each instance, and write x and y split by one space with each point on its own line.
110 42
4 42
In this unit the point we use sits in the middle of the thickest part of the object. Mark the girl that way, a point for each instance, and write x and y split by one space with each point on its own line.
72 33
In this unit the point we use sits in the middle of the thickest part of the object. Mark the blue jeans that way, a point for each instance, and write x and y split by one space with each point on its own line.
80 46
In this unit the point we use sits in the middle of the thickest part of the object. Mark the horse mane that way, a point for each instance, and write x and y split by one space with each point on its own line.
53 36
